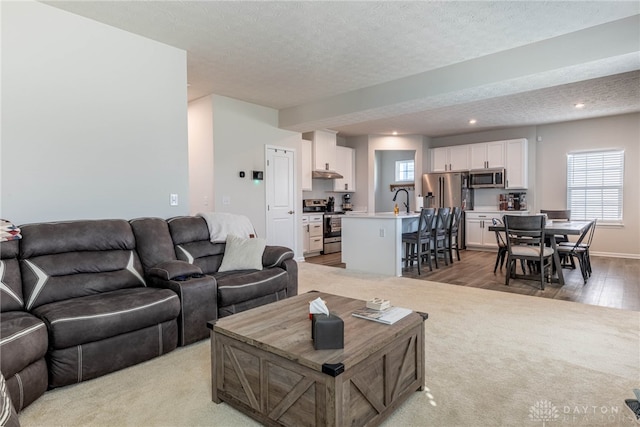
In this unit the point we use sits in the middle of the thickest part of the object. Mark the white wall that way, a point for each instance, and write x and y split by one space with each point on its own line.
239 133
94 120
201 184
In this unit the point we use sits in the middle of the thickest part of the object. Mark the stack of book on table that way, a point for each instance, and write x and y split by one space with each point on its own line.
381 311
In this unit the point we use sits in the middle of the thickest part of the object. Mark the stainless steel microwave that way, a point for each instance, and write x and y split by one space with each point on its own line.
487 178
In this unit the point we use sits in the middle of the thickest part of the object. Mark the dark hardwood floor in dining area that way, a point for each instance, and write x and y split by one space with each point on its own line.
615 282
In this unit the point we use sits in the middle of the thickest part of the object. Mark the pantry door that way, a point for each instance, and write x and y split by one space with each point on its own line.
280 197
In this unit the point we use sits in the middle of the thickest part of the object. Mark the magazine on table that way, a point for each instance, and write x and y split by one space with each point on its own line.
388 316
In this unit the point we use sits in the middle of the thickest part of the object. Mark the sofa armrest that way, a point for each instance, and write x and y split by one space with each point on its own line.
174 269
275 256
198 304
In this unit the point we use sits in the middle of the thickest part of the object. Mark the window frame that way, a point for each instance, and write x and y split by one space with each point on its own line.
599 173
400 172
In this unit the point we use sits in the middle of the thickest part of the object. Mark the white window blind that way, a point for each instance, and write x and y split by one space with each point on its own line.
404 170
595 184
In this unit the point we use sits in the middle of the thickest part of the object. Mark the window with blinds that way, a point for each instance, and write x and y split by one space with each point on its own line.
594 185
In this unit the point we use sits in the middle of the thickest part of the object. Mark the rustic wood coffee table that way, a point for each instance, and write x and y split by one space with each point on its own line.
264 364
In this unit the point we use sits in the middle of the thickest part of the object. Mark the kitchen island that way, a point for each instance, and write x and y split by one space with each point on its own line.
372 242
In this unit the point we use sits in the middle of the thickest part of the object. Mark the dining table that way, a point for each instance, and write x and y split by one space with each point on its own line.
552 228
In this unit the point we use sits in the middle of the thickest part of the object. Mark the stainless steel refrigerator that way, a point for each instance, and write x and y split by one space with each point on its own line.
448 190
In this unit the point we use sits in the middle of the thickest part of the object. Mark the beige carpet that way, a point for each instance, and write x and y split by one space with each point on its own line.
493 359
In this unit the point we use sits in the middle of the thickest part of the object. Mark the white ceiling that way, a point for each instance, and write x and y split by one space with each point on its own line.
420 67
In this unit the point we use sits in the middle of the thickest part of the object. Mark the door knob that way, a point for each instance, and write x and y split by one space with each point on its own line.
291 212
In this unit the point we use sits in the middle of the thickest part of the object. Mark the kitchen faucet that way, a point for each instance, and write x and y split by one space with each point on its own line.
396 195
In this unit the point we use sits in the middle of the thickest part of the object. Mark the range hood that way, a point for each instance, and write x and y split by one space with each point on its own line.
323 174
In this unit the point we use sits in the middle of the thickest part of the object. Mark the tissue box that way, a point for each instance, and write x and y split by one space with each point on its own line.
327 332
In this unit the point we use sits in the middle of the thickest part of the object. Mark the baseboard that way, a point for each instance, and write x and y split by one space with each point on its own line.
615 255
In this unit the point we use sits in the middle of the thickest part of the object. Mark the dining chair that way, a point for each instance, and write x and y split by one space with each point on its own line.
578 251
564 215
501 240
454 226
584 244
525 242
418 244
441 234
502 245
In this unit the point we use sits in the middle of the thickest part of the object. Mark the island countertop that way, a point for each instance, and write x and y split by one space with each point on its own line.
383 215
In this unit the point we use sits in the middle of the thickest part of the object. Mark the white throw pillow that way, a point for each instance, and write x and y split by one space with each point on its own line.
242 254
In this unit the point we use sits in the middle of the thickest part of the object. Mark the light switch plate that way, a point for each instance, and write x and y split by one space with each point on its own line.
173 200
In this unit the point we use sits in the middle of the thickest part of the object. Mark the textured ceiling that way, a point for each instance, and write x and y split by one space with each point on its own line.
302 56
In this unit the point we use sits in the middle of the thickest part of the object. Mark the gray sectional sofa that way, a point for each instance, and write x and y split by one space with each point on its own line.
80 299
23 336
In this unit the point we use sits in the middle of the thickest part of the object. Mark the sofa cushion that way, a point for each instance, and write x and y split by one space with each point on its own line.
63 260
92 318
153 241
239 286
73 236
23 340
242 254
186 229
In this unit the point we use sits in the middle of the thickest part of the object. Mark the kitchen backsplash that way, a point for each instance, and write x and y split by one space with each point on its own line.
323 189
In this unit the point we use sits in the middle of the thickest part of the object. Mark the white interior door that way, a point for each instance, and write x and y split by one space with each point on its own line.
280 197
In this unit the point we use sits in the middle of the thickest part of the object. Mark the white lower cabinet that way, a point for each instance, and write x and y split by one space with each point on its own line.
312 240
477 234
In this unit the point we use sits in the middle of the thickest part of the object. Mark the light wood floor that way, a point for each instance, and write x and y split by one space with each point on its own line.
615 282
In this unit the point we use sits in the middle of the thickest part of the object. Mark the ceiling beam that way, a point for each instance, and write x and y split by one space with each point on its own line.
610 48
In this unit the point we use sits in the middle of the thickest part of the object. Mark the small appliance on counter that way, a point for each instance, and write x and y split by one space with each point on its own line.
346 202
314 205
513 202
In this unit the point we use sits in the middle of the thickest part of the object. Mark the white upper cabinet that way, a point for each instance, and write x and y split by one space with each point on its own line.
487 155
458 158
324 149
307 159
516 167
446 159
439 159
345 166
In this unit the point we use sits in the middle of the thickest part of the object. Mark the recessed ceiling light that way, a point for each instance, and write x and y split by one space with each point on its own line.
473 121
579 105
395 132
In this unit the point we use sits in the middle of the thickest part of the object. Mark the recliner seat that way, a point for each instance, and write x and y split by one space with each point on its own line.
177 254
85 281
237 290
